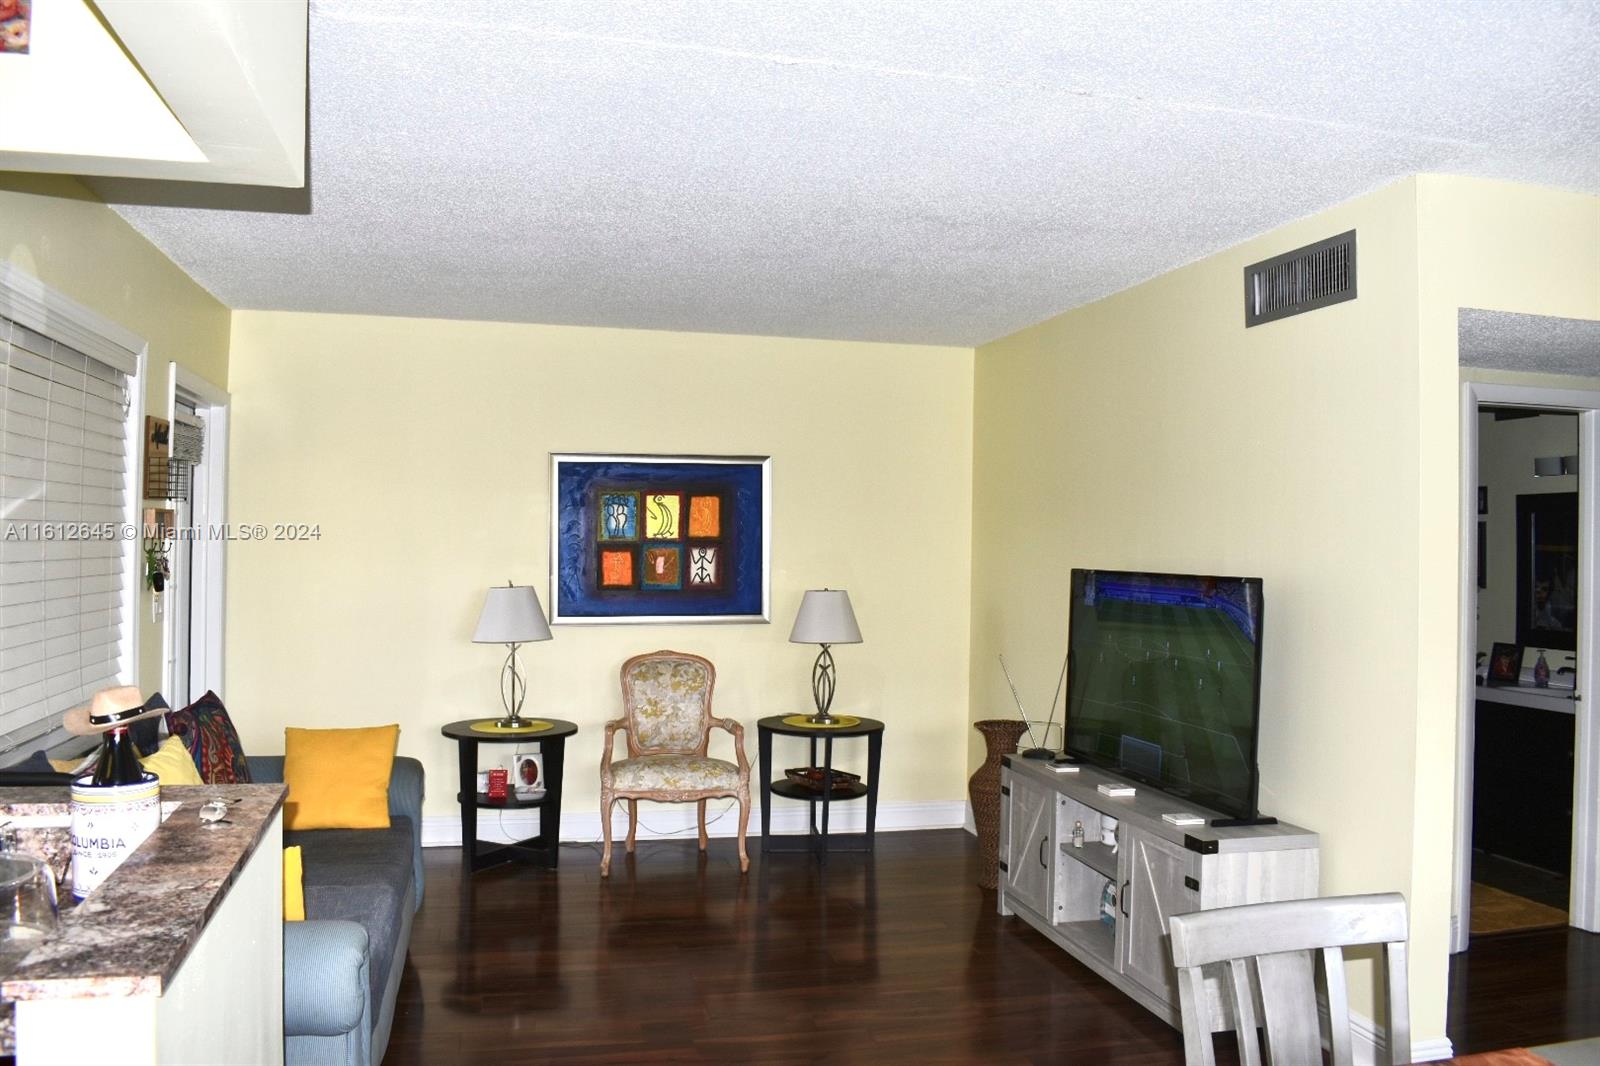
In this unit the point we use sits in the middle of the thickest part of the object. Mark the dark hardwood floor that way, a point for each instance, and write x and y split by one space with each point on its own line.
893 958
886 959
1519 989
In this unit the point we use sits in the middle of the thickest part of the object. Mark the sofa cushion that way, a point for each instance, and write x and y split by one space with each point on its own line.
338 778
360 875
674 773
213 743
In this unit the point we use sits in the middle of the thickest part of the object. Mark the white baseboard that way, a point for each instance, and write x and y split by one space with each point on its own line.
1368 1047
676 821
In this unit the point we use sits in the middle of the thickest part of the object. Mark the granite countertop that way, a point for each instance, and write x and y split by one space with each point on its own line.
133 932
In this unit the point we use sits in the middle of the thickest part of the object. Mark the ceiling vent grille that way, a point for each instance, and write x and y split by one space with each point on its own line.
1302 280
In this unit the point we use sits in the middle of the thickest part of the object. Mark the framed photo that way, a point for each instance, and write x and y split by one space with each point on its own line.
1547 570
660 539
1505 663
526 773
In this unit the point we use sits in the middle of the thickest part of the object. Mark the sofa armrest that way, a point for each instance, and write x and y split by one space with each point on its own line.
405 798
326 978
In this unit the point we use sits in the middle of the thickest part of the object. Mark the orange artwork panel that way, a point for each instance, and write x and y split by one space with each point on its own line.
616 569
705 516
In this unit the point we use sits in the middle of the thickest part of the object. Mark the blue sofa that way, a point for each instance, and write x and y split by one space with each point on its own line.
342 965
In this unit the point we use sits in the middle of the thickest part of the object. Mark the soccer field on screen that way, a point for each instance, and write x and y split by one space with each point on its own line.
1167 691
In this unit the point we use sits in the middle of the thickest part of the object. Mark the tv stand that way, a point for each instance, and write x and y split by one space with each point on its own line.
1155 870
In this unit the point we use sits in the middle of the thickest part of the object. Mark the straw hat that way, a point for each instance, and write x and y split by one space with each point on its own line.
112 707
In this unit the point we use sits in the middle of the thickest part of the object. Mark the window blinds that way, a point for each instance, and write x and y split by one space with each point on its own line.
63 514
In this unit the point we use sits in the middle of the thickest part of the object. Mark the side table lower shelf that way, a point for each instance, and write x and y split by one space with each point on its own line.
542 849
817 839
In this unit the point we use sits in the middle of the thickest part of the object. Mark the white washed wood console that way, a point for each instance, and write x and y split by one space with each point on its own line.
1158 870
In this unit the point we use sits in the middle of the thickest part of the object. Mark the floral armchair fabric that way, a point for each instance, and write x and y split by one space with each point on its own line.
666 702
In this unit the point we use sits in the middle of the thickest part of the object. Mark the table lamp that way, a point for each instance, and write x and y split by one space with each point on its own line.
512 615
825 618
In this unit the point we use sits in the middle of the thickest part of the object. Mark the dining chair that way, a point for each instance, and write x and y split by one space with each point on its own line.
1269 954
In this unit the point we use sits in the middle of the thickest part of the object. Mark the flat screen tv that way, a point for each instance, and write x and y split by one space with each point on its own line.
1164 682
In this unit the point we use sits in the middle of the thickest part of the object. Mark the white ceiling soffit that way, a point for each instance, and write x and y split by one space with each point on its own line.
1501 340
188 90
899 170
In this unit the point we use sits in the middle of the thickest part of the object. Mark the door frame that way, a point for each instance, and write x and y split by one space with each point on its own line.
1584 899
208 541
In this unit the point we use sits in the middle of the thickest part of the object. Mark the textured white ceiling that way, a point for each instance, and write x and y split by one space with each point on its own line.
917 170
1500 340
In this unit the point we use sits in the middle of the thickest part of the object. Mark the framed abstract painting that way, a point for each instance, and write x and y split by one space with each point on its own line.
660 539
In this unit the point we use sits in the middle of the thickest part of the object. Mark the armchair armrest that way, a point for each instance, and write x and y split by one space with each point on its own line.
732 725
326 984
613 727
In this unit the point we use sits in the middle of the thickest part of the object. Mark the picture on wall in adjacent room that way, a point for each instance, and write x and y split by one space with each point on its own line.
649 538
1547 570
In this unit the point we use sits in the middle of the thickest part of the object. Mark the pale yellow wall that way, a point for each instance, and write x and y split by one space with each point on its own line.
421 448
1506 450
1500 247
1152 431
56 230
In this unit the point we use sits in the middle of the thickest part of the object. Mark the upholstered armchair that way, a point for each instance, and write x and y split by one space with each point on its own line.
666 704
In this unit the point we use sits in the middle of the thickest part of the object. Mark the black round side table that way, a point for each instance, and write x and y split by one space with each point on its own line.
820 799
544 849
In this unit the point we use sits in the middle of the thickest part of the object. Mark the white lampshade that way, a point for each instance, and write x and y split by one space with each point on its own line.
825 618
511 614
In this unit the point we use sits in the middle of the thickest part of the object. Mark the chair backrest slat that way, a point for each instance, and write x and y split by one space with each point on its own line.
1287 980
1394 956
1338 1007
1279 940
1197 1049
1244 1010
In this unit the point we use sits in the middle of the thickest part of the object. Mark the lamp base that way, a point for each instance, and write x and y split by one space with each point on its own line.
821 718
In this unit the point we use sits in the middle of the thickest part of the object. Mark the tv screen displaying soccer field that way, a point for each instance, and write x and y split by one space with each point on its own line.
1164 681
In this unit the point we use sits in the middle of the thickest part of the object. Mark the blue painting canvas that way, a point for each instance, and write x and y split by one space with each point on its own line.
637 538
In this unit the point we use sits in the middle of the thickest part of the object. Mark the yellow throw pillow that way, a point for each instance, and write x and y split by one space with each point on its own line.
172 764
338 778
294 892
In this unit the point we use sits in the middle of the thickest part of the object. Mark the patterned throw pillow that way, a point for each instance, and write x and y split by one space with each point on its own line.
213 743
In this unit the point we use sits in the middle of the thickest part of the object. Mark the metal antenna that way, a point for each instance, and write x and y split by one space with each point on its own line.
1020 708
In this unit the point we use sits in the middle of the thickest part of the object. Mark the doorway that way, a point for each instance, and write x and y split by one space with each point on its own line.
1526 781
1525 715
193 627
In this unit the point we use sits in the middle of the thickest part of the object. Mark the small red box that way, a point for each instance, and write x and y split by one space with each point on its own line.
497 785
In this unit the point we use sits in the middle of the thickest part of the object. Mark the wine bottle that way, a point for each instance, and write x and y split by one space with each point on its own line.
118 761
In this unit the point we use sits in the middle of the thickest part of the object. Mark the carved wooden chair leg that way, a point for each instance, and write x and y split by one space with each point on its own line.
633 823
702 806
744 821
605 832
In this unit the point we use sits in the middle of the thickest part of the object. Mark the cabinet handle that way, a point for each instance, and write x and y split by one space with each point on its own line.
1042 842
1123 902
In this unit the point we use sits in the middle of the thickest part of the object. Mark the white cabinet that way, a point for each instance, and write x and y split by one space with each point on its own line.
1027 872
1155 870
1158 885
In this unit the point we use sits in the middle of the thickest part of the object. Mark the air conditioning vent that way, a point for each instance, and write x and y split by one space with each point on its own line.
1302 280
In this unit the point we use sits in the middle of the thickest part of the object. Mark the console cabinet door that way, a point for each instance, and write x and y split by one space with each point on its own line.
1029 875
1155 891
